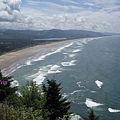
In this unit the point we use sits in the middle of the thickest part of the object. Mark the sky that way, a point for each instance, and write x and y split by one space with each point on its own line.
92 15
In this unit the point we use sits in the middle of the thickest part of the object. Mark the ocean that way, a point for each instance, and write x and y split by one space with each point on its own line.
88 68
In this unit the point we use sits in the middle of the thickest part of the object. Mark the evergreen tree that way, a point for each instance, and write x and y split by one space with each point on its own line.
6 91
53 101
92 116
31 95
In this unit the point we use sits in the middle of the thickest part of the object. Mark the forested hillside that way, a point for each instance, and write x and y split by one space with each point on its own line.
11 40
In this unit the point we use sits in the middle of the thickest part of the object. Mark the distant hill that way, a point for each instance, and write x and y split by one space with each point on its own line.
12 40
112 33
54 33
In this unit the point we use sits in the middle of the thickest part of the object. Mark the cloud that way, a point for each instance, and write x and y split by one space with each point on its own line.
107 4
40 15
52 8
85 20
10 10
89 4
49 5
70 1
13 4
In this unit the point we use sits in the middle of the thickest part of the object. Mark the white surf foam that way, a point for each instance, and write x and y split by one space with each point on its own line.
65 53
72 55
85 40
48 54
28 62
12 69
90 103
113 110
15 66
39 58
79 43
15 83
76 117
77 50
54 69
99 83
43 70
39 79
43 56
40 76
93 91
75 92
18 93
71 63
64 95
69 44
78 83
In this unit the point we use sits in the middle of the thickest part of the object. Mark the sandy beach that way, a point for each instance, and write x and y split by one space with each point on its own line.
6 60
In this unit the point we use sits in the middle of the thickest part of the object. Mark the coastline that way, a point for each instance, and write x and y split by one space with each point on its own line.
8 59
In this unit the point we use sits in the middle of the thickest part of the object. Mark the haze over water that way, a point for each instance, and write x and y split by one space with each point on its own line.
88 68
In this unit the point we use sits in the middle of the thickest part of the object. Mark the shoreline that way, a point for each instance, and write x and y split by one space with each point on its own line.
10 58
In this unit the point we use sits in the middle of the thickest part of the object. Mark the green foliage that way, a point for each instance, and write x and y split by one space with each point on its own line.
10 113
53 101
65 117
92 116
34 103
31 95
6 91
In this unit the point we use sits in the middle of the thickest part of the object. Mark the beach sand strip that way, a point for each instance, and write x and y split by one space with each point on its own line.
6 60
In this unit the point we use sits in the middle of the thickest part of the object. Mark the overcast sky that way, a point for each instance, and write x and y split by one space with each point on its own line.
94 15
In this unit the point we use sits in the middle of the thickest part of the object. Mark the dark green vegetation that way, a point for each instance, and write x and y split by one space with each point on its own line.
54 33
92 116
13 44
34 102
53 102
6 92
17 39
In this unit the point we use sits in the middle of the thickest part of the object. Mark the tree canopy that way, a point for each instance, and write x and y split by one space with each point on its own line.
35 102
92 116
31 95
6 90
53 100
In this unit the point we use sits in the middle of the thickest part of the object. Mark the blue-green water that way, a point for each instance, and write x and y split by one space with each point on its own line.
89 70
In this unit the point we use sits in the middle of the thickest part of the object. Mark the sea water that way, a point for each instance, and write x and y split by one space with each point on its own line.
89 70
